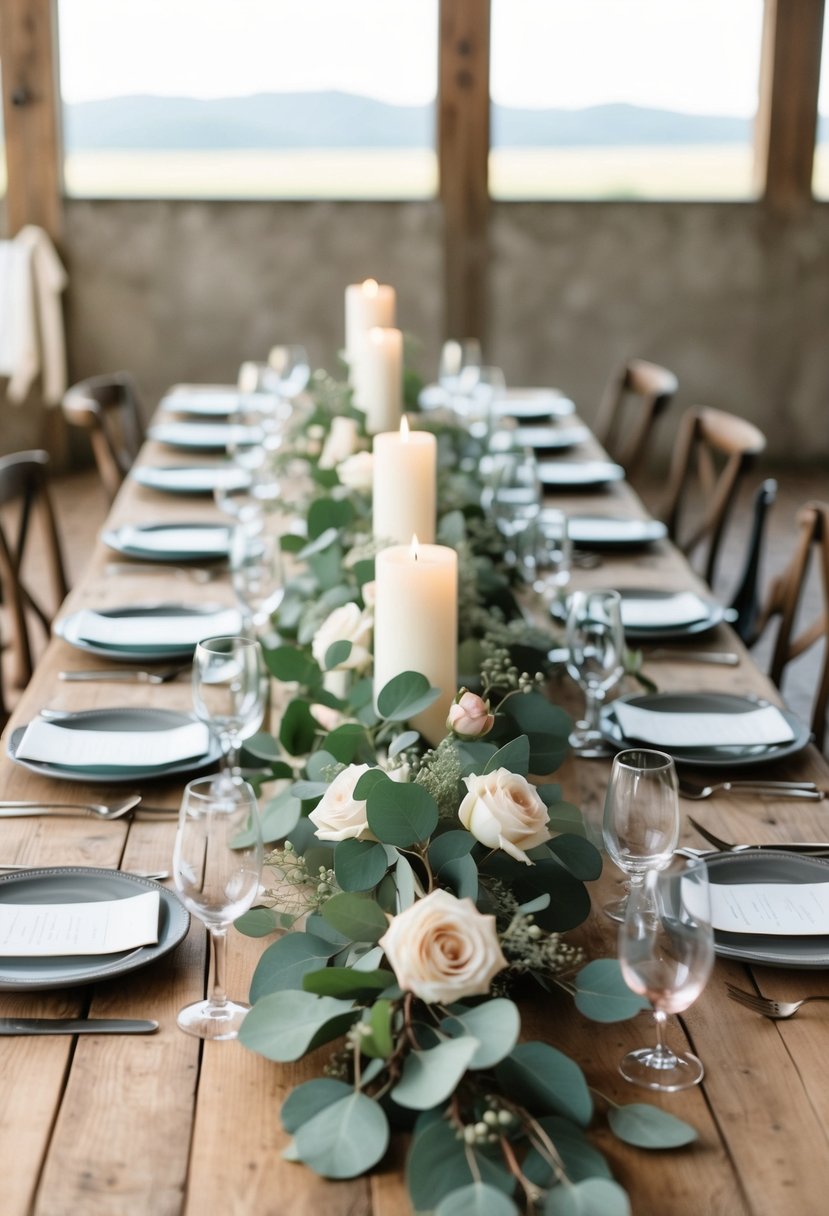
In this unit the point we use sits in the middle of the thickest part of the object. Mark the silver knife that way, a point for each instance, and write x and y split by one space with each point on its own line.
722 658
17 1026
120 677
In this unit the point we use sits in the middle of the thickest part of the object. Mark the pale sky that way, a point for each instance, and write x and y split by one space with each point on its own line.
698 56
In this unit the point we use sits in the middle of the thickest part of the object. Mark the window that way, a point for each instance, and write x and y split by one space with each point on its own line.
639 99
249 98
820 176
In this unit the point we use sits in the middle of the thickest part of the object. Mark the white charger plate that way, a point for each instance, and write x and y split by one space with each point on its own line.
191 479
578 474
67 628
127 540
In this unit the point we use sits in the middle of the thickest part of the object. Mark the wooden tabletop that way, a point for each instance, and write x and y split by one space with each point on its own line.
164 1125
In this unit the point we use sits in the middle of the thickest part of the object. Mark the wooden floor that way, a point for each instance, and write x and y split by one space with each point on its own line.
81 508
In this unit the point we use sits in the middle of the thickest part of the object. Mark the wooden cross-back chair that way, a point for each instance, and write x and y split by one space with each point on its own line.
24 491
633 400
784 599
713 452
108 408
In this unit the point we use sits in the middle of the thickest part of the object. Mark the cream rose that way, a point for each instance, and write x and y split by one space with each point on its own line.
504 811
338 815
340 442
443 949
357 471
469 716
345 624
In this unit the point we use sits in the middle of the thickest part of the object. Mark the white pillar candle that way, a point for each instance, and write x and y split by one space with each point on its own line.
404 478
416 624
378 379
367 305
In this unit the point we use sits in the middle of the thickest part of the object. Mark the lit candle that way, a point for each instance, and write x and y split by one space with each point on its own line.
367 305
416 624
404 485
378 379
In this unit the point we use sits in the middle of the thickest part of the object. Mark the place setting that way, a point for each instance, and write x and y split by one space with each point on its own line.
192 478
579 474
173 543
650 615
146 633
613 532
204 400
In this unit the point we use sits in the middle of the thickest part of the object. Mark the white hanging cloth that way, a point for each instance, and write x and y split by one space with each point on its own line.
32 339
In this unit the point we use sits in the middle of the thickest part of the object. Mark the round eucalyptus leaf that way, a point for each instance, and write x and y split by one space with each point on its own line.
581 858
359 864
280 815
347 982
594 1197
401 814
407 739
648 1127
439 1163
478 1199
448 846
258 922
345 1139
514 756
284 1025
309 1099
359 918
287 960
495 1024
405 695
430 1076
603 995
546 1082
581 1159
337 653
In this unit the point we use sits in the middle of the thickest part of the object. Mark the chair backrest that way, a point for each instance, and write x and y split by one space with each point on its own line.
633 400
24 490
109 409
713 451
746 601
784 599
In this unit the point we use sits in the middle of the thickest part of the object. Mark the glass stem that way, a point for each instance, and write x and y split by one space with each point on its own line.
218 944
234 745
593 698
661 1050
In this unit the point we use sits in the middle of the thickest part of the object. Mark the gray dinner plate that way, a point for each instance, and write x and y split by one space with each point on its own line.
118 719
67 628
191 479
544 437
741 756
767 866
533 403
128 540
578 474
201 436
715 613
607 532
82 884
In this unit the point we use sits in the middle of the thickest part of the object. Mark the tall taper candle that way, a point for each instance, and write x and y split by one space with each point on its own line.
404 501
367 305
416 624
378 379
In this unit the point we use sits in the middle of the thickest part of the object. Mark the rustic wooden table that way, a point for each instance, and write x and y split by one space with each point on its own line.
164 1125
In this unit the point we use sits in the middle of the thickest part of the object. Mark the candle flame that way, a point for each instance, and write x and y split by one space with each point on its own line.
415 544
370 287
404 429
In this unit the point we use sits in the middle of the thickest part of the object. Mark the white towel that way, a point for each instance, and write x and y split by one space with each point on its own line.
32 340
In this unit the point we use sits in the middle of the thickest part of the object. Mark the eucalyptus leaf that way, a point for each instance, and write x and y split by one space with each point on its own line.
345 742
347 982
581 858
496 1025
293 666
320 764
337 653
309 1099
439 1163
298 728
258 922
359 864
474 755
307 791
448 846
320 928
477 1199
406 739
369 961
326 513
564 817
405 883
380 1043
359 918
284 1025
345 1139
594 1197
429 1077
569 904
367 782
287 960
364 571
326 538
405 695
546 1081
580 1159
514 756
648 1127
460 876
401 813
602 994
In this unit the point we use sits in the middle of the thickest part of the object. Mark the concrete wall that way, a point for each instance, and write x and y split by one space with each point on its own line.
734 301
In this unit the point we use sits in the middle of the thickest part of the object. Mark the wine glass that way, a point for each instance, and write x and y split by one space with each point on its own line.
666 951
478 388
546 554
256 572
229 687
641 817
595 649
456 358
290 370
217 866
513 496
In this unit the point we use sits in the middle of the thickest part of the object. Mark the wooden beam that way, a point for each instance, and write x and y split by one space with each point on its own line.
463 150
30 115
787 112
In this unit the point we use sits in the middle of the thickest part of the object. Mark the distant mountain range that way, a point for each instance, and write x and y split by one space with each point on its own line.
345 120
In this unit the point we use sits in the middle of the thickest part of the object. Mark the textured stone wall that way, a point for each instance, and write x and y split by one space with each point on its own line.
734 301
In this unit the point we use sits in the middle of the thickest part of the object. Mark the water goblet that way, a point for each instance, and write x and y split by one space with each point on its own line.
666 952
478 388
640 829
229 687
256 572
217 866
456 358
513 496
546 556
595 654
290 370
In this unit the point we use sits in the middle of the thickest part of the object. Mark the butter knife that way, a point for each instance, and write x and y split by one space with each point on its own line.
18 1026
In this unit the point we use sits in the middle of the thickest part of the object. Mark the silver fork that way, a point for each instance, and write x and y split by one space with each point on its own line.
126 675
778 1010
22 810
776 789
814 848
